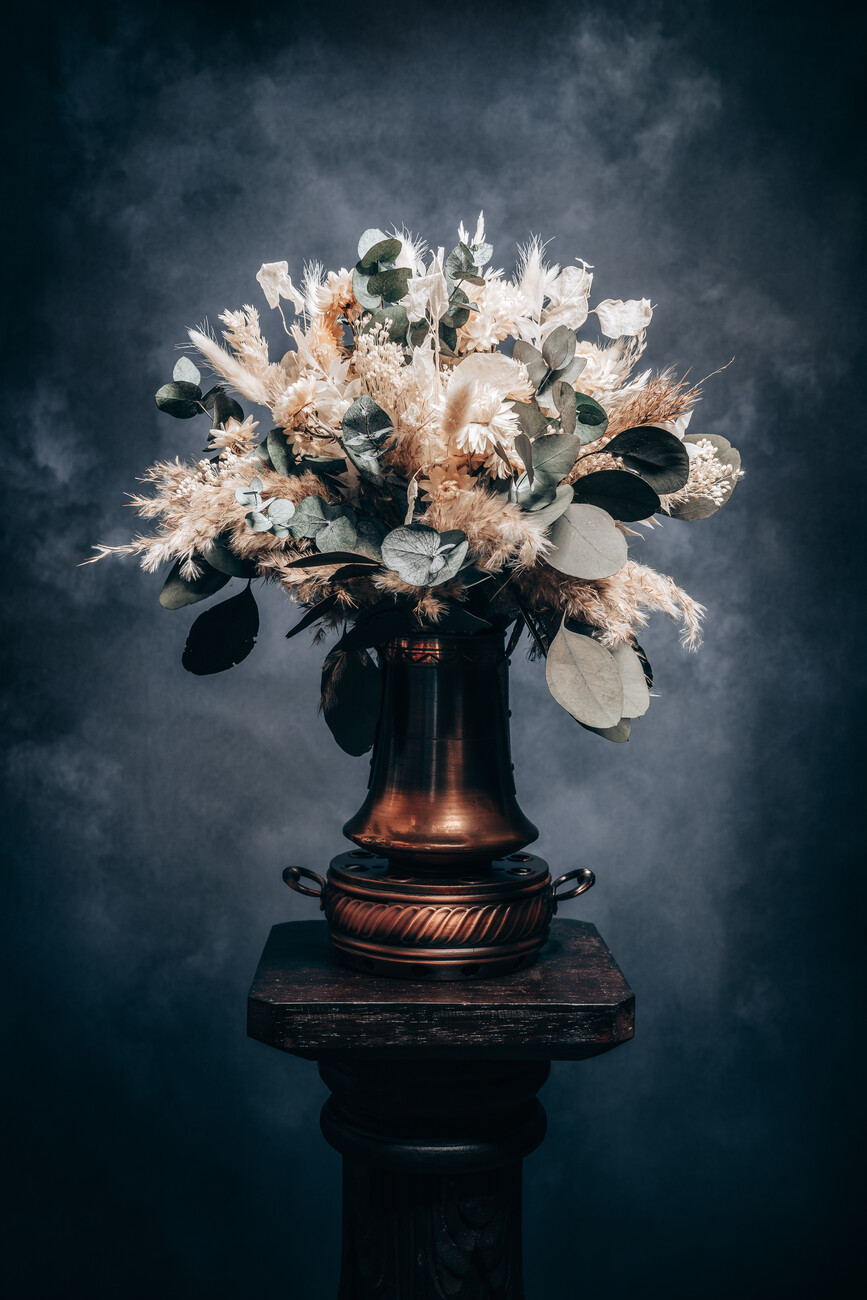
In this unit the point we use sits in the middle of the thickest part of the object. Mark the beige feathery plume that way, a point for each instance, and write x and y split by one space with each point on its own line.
242 380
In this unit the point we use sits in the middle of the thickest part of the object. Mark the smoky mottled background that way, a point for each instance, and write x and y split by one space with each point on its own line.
700 155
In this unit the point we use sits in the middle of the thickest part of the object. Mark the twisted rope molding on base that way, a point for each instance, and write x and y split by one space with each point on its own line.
438 925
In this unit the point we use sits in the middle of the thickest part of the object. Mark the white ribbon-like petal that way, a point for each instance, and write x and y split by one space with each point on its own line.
276 284
623 319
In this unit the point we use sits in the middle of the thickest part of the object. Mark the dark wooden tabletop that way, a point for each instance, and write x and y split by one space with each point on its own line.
573 1003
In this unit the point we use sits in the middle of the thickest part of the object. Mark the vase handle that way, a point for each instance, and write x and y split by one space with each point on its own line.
586 877
292 878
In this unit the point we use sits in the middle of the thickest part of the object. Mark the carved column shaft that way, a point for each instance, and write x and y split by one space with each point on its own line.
432 1156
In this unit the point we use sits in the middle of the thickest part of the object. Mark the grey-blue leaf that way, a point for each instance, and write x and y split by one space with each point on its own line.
583 678
423 557
186 371
178 591
558 349
587 544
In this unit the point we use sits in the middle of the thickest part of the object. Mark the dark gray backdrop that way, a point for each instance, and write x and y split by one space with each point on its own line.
699 155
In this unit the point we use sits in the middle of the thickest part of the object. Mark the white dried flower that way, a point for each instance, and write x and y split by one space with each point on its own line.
276 284
623 319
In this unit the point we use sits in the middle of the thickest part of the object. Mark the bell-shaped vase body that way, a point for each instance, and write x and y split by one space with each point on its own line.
441 792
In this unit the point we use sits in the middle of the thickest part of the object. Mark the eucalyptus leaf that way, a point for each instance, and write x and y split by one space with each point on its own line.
592 420
365 429
258 522
225 408
179 591
395 318
423 557
558 349
624 495
572 371
657 455
564 399
554 455
339 534
524 448
368 242
587 544
548 513
351 690
482 253
448 336
222 636
698 507
221 557
359 288
315 561
376 628
186 372
278 452
530 418
583 678
636 696
180 399
537 367
259 456
391 284
251 495
280 511
618 733
459 264
313 615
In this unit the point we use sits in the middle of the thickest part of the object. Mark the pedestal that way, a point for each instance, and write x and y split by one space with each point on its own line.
433 1098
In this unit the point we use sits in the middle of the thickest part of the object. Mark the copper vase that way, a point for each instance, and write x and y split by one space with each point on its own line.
439 887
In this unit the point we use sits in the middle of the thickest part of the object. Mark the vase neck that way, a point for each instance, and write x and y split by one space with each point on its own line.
441 790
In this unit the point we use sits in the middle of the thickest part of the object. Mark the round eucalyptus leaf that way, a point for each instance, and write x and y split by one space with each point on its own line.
221 557
563 396
624 495
186 372
179 591
547 514
583 678
365 429
586 544
339 534
558 348
391 284
367 244
448 337
179 399
636 696
657 455
225 408
423 557
699 507
618 733
359 288
395 318
592 420
222 636
280 511
351 690
258 522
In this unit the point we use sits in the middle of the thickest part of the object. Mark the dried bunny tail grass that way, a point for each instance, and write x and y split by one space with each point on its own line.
661 401
244 381
458 405
615 605
498 531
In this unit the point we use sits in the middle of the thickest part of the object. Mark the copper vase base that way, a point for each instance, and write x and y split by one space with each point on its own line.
410 925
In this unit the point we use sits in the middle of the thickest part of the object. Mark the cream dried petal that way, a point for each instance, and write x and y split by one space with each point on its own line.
623 319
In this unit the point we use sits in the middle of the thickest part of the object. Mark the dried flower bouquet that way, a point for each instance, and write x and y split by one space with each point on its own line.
445 454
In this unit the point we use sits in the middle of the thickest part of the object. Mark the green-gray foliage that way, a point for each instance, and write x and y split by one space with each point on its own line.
583 677
365 429
623 494
586 544
179 591
180 399
657 455
423 557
